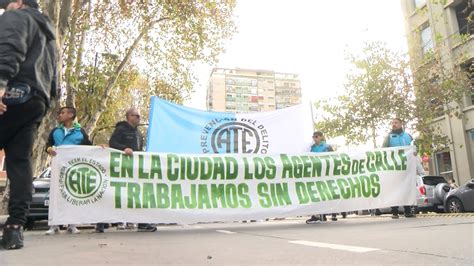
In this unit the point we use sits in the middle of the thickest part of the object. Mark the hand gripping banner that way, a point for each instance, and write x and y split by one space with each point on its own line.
94 184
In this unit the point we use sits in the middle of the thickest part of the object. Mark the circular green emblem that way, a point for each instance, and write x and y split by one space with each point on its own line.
83 180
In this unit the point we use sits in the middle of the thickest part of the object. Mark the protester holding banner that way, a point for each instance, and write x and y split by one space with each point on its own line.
127 138
27 83
320 145
396 138
67 132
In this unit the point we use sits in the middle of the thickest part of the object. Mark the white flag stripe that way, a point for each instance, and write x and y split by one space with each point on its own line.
333 246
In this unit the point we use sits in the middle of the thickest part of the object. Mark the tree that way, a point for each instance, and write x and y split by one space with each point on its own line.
158 40
382 87
376 90
439 92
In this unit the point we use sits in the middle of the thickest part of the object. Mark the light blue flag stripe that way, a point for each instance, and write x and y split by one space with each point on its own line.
177 129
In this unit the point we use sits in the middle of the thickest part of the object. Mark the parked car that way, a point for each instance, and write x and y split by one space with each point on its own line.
40 202
460 199
431 191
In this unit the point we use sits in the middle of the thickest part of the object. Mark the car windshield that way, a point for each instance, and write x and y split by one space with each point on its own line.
433 180
46 173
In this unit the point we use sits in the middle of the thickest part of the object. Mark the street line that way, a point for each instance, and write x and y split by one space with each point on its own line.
333 246
226 232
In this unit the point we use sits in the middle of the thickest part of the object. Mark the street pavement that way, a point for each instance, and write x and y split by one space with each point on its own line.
357 240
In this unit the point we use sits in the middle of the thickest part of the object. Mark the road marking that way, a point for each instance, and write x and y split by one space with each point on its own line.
226 232
333 246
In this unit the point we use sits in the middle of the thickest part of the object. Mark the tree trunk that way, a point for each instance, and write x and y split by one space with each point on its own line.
92 123
73 52
374 141
58 12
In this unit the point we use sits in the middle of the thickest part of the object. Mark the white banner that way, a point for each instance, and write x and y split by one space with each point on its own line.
94 184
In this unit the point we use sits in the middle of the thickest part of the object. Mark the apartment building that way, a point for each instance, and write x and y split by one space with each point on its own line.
246 90
446 28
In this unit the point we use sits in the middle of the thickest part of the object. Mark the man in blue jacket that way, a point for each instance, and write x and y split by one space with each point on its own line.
396 138
67 132
27 83
320 145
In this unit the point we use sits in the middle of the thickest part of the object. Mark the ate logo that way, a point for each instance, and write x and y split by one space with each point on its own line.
82 182
238 136
235 137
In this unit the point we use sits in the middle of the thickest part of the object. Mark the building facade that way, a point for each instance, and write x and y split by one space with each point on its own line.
246 90
446 28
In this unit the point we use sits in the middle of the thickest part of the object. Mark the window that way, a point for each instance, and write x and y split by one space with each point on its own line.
433 180
426 40
420 3
444 166
465 16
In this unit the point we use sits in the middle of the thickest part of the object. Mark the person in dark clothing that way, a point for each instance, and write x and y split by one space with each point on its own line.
27 83
396 138
127 138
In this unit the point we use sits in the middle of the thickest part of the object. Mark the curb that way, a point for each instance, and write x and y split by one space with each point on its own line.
420 215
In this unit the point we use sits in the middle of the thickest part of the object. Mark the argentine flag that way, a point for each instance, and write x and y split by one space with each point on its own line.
177 129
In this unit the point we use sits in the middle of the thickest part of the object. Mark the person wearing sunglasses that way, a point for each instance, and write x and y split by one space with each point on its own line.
127 138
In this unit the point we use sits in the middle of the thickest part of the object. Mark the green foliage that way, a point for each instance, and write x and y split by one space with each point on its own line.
375 91
382 87
439 92
109 46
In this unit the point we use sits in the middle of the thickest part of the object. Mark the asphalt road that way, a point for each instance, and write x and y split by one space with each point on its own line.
432 239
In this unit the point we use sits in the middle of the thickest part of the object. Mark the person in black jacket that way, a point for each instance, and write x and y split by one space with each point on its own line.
27 82
127 138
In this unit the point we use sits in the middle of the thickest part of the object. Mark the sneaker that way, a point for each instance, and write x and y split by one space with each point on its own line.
54 229
12 237
323 217
395 216
121 226
146 228
410 215
73 230
99 228
313 220
333 218
131 226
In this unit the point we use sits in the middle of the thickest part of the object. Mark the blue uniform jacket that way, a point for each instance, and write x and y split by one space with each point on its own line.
76 136
398 139
322 147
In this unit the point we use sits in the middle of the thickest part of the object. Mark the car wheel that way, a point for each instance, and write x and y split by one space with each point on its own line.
454 205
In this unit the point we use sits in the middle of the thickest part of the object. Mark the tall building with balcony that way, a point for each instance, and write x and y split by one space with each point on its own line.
246 90
446 29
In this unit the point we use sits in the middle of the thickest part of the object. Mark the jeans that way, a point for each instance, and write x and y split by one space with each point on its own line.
18 127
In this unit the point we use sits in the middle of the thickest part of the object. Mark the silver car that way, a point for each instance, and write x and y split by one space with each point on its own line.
460 199
40 199
431 193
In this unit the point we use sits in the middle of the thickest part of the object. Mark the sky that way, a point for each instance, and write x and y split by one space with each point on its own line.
306 37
